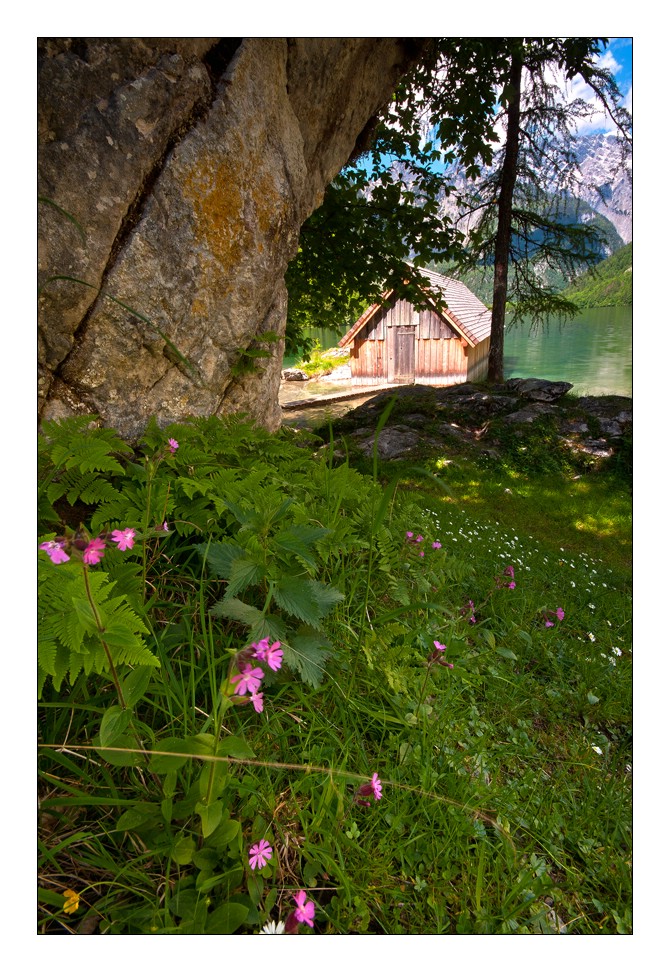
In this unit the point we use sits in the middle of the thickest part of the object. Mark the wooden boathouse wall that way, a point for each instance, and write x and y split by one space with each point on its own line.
400 344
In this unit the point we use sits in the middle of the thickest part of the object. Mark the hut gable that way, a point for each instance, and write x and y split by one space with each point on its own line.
392 342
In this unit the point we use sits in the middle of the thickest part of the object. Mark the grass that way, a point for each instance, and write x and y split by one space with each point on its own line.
506 803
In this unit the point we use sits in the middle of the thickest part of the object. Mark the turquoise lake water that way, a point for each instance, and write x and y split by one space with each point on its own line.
594 351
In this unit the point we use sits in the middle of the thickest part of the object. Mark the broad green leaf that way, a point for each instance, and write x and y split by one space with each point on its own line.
161 762
325 596
225 833
236 747
255 887
244 572
183 850
135 684
210 816
299 540
220 557
295 595
307 654
226 919
506 653
213 779
137 817
116 756
119 635
114 724
236 610
85 613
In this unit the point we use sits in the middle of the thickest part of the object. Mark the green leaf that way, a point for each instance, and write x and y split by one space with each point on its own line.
183 850
135 684
236 747
160 763
220 557
236 610
295 595
114 724
226 919
307 654
85 613
255 885
299 541
593 699
506 653
117 758
244 572
210 816
225 833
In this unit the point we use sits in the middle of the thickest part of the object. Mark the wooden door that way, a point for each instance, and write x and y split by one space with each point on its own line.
404 345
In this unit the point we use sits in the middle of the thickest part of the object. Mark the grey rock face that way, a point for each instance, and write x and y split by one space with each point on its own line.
189 166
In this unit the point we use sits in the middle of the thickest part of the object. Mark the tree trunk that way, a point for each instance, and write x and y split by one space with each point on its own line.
504 232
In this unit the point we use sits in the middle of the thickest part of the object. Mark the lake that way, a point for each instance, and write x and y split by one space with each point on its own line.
594 351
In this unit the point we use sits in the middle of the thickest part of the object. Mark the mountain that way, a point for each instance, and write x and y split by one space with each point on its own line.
605 180
603 185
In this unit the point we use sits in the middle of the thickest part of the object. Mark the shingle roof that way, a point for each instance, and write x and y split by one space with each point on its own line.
464 310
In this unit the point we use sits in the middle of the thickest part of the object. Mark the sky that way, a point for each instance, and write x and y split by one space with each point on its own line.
618 59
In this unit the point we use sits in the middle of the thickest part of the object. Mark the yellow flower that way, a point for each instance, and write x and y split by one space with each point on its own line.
71 902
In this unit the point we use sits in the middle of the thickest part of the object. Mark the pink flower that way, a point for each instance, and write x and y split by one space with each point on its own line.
259 854
419 539
409 534
560 614
124 538
548 623
274 656
257 699
305 910
248 680
165 526
260 648
439 646
512 585
271 654
509 571
173 445
436 545
95 551
55 551
374 787
422 553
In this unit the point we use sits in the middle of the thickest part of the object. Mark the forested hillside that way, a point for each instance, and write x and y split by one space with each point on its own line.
610 284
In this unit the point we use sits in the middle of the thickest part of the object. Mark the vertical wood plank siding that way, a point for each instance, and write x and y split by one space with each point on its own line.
439 356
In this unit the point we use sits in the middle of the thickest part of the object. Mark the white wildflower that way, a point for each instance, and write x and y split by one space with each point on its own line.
597 749
591 635
272 928
616 651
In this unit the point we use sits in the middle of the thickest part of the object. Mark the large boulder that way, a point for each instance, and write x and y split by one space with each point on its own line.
174 176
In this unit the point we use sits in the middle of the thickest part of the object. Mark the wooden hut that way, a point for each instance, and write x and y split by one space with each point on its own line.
394 343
